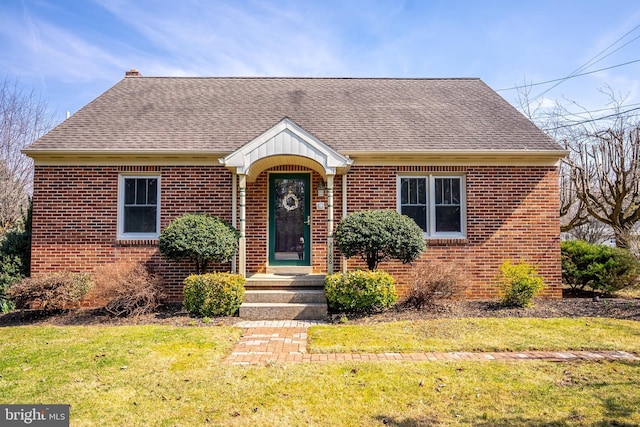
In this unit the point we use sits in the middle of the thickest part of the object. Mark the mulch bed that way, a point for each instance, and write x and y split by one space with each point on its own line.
616 308
572 305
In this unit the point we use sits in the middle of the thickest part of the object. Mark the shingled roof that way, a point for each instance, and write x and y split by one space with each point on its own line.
351 115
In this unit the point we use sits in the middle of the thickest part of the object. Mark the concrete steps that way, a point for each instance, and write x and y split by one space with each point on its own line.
280 297
285 296
283 311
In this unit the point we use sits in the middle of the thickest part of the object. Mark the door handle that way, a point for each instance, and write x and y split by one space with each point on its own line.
308 221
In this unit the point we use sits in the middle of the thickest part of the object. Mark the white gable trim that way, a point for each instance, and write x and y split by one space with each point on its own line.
287 139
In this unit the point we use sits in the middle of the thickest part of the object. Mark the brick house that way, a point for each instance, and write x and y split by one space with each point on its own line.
283 160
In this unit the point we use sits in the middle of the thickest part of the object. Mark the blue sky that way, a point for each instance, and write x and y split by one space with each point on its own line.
72 51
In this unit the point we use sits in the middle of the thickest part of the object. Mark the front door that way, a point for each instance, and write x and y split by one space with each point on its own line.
289 219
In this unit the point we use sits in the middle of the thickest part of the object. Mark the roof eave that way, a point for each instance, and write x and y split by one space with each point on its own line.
123 157
407 157
524 152
459 157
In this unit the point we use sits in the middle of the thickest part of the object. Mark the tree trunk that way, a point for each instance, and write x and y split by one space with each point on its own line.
623 237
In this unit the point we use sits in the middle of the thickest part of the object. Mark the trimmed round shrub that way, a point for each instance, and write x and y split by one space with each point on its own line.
213 294
379 235
519 283
360 291
598 267
200 238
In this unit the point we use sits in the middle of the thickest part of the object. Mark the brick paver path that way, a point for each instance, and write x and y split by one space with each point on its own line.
265 342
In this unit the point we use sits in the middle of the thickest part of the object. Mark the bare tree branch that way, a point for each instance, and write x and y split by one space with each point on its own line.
24 117
607 175
573 212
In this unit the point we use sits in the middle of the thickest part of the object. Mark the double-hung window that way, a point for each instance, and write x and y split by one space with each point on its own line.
435 203
138 207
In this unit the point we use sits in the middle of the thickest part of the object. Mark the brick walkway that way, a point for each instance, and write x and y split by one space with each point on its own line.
266 342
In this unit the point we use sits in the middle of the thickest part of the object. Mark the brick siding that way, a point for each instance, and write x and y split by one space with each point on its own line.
512 213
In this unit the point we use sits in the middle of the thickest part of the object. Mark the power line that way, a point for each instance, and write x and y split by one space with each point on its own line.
567 78
589 112
590 62
569 113
591 120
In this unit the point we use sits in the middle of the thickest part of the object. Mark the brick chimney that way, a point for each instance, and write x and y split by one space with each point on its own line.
132 73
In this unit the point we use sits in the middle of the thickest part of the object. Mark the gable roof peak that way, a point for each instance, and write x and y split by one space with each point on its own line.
288 139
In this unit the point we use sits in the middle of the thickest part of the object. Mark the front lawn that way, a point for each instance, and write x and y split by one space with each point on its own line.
487 334
170 376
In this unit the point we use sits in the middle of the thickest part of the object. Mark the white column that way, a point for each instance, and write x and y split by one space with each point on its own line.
330 224
234 214
242 258
344 214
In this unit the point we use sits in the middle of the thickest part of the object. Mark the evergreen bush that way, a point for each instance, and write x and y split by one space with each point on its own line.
200 238
360 291
598 267
15 258
213 294
379 235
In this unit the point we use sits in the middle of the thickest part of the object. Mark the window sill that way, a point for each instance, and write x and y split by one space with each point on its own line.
136 242
446 241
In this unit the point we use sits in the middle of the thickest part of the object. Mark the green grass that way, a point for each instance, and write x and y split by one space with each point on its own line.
491 334
169 376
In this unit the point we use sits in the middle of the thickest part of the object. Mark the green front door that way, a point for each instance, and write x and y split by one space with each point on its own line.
289 219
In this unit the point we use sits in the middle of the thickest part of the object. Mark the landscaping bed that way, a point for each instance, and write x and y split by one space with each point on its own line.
615 308
174 314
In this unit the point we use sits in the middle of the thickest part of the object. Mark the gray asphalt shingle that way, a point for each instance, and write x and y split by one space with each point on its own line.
349 114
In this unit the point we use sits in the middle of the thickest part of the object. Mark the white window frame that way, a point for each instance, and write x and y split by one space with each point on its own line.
430 233
121 235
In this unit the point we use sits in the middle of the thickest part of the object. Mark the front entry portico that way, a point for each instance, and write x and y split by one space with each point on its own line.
286 145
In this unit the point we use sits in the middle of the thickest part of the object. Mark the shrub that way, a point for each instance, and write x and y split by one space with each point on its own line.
11 271
519 283
126 288
16 242
200 238
379 235
435 280
621 271
360 291
580 263
15 259
50 292
213 294
598 267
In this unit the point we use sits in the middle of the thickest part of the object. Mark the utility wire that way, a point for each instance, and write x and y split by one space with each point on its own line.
571 114
567 78
591 120
590 62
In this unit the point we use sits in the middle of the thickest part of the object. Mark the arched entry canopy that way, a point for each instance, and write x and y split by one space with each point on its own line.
286 143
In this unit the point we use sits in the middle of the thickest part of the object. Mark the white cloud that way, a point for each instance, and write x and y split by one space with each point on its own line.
219 38
51 51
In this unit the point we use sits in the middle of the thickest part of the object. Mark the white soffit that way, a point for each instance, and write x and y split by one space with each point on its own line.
286 139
